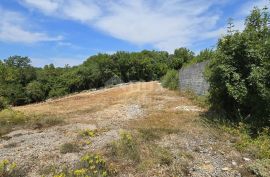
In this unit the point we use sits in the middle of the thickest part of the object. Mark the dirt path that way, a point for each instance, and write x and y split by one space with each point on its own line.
197 150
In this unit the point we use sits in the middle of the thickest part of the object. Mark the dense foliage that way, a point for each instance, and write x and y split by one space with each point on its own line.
21 83
170 80
239 74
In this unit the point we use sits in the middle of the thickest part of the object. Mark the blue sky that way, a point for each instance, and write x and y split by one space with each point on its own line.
68 31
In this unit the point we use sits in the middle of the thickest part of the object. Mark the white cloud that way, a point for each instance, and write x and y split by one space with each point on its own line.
81 10
165 25
12 29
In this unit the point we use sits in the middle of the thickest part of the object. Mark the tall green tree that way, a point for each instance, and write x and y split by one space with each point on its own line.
240 72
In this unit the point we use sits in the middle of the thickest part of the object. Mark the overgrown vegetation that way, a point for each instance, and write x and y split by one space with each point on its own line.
170 80
239 73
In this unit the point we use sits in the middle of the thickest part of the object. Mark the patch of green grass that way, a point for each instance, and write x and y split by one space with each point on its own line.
69 148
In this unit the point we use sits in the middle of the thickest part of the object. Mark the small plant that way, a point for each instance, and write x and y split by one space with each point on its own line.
69 148
92 165
88 133
7 169
261 168
164 156
126 147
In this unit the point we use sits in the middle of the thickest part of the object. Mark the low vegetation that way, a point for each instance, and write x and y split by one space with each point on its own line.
127 147
90 165
69 148
10 169
11 119
170 80
239 73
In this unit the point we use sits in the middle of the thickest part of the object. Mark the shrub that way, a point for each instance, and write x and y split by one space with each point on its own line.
261 168
3 103
126 147
69 148
43 122
239 74
88 133
164 156
170 80
10 117
8 169
90 165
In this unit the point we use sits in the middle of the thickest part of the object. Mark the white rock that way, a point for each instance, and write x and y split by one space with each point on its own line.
234 163
225 169
246 159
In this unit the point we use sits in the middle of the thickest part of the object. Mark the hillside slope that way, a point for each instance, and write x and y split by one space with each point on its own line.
170 138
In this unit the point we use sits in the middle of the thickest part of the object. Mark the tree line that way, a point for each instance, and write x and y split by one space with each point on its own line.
21 83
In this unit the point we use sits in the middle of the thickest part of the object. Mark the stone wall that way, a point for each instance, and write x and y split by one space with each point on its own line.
192 78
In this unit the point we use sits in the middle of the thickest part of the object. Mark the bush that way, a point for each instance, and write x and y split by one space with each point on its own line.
261 168
69 148
3 103
126 147
35 91
239 74
170 80
90 165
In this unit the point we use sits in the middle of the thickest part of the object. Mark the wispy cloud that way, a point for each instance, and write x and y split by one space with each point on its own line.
12 29
165 25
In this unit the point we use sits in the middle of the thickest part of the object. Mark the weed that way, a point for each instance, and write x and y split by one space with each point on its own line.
69 148
126 147
92 165
260 168
88 133
164 156
8 169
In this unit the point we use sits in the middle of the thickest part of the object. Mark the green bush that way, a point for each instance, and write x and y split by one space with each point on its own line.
239 74
170 80
3 103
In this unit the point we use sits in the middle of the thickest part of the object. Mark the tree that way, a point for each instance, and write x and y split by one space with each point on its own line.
239 74
35 92
181 56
